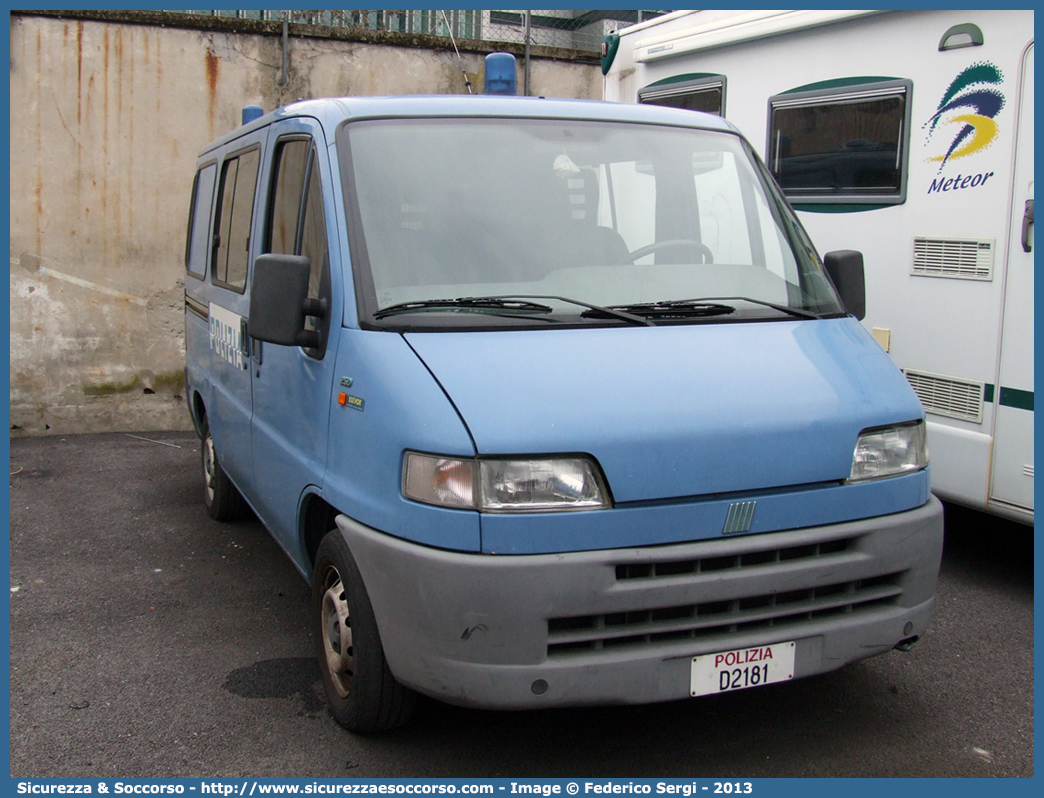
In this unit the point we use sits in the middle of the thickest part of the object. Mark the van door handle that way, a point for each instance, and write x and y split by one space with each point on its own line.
1027 221
244 342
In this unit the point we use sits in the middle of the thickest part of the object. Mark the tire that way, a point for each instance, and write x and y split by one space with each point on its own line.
362 694
223 501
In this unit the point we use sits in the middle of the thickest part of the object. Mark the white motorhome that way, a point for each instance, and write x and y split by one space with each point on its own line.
906 135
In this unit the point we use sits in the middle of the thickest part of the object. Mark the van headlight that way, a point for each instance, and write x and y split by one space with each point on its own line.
889 452
505 485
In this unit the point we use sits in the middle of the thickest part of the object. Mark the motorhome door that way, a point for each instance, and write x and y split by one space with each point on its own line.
1012 477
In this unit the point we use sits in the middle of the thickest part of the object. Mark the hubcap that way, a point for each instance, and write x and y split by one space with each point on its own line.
208 467
337 635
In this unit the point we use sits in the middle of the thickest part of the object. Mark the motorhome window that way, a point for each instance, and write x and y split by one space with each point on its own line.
701 94
199 221
841 145
232 242
605 213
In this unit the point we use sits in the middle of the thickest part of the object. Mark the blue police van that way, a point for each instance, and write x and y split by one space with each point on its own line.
553 402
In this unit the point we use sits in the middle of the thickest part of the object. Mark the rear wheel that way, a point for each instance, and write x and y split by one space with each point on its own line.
362 693
219 494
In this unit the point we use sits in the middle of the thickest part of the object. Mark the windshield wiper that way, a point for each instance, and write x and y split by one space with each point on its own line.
592 310
669 309
513 303
468 303
639 313
797 313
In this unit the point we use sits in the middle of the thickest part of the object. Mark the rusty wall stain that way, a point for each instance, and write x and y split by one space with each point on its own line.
159 74
129 137
213 67
105 139
119 203
79 73
79 119
117 49
39 147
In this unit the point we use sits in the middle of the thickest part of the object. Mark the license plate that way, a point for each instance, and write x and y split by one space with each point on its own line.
741 668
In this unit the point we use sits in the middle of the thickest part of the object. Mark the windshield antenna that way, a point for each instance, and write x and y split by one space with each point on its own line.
459 59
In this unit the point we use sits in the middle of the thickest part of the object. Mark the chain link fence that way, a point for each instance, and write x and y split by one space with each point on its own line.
578 30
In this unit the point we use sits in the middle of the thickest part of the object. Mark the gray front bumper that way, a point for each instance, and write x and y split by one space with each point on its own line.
621 626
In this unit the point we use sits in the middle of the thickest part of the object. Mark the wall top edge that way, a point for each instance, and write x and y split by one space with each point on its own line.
260 27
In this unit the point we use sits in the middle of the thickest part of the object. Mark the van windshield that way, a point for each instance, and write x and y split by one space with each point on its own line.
458 223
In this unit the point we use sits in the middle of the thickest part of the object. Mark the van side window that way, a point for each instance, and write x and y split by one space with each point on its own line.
199 218
841 144
232 224
297 222
693 92
313 232
291 163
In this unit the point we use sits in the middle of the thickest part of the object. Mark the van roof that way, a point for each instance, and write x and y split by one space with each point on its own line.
331 112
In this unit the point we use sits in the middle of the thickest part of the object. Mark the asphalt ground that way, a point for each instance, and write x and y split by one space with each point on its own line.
150 641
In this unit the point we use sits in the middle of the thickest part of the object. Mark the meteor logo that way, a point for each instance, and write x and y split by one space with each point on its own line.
973 103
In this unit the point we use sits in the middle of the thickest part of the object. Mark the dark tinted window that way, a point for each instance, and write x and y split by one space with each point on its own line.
199 221
699 94
840 145
708 100
223 220
231 247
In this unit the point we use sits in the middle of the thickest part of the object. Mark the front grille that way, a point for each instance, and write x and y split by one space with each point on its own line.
714 618
702 565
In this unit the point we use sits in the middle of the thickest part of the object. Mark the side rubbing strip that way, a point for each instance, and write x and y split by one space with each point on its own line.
740 517
1012 397
198 308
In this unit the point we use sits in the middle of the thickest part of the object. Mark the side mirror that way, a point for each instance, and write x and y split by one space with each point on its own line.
279 301
845 268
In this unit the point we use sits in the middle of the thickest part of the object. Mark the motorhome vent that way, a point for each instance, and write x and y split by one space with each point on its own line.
948 396
962 258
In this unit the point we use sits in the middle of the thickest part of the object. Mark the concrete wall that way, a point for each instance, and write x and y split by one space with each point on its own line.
107 116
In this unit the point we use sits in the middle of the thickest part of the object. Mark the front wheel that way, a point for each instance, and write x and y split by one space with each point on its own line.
362 693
